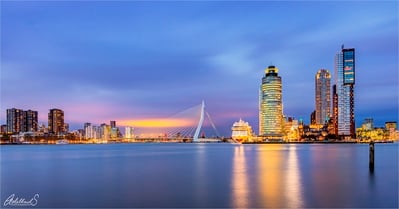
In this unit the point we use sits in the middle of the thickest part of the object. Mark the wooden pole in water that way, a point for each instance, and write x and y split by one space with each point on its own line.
371 156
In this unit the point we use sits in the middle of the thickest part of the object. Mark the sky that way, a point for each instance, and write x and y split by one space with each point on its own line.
139 61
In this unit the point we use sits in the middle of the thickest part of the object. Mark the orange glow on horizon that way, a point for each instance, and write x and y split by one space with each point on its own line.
157 123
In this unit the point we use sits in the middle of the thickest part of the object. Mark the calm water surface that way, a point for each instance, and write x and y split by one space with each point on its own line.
201 175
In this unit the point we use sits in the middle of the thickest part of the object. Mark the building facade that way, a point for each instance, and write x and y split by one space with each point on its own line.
334 121
30 121
3 129
14 120
313 117
129 132
270 104
19 120
291 129
322 97
368 124
391 125
56 121
345 83
112 123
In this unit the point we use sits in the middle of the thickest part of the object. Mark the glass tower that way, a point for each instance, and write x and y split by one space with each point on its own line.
270 104
345 82
322 96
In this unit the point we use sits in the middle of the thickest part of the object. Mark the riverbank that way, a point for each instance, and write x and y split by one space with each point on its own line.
320 142
177 142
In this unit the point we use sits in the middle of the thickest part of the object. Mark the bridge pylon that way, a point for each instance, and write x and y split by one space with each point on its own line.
199 126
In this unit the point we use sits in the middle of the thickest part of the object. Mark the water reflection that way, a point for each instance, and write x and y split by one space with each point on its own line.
201 176
279 178
201 183
293 179
239 179
270 175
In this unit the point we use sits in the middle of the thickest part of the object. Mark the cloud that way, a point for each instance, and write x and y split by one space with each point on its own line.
138 60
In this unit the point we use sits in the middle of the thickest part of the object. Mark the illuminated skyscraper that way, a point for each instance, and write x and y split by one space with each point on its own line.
14 120
270 104
56 121
113 124
345 82
129 132
334 111
21 121
322 96
30 121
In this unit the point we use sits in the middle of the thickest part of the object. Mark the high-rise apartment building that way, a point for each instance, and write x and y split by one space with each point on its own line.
88 131
30 121
3 129
270 104
14 120
19 120
345 82
113 124
322 97
129 132
56 121
334 120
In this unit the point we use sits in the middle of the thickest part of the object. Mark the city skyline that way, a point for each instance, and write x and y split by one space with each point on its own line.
127 61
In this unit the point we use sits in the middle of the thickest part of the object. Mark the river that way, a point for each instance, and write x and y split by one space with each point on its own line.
159 175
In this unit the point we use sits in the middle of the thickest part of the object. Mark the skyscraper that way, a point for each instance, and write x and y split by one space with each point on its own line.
270 105
113 124
14 120
129 132
345 82
322 96
56 121
19 120
334 130
30 121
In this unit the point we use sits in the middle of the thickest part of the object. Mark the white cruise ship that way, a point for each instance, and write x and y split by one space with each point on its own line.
241 131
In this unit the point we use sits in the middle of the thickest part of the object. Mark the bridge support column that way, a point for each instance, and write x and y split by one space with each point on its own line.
201 120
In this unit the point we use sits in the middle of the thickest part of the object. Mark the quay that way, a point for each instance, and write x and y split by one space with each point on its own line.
158 140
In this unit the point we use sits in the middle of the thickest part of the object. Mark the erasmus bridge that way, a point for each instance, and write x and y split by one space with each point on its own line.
193 123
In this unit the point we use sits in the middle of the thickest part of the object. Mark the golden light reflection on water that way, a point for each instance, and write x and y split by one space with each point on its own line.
279 177
292 180
270 175
240 181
